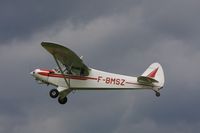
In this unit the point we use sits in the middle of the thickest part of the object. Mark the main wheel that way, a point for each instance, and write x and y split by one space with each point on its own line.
62 100
157 94
53 93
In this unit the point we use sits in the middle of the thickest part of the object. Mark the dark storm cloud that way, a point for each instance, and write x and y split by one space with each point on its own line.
20 19
121 37
178 19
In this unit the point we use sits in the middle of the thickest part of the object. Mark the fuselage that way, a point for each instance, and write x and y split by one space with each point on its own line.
96 80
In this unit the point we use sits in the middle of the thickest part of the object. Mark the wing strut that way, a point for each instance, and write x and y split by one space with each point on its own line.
67 82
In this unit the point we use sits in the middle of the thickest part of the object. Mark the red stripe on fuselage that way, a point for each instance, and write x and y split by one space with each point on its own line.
66 76
47 70
132 83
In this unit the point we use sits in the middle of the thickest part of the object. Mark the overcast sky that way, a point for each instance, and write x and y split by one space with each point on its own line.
113 35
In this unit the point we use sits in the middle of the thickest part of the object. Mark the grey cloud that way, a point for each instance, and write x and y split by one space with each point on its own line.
126 41
19 19
174 18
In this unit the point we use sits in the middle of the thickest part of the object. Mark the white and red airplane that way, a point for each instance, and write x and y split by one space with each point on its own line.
72 74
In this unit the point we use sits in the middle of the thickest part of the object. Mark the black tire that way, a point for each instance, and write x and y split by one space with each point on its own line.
62 100
53 93
158 94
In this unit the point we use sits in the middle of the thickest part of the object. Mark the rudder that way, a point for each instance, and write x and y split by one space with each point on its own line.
155 71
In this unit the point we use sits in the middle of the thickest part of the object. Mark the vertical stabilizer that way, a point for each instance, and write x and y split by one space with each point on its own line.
155 71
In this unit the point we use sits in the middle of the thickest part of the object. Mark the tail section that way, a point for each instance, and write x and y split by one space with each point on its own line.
154 76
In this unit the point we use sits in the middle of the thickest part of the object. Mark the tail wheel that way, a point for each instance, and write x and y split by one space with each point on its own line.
54 93
62 100
157 94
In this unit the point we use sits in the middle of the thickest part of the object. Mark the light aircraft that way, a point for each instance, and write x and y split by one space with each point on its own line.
72 74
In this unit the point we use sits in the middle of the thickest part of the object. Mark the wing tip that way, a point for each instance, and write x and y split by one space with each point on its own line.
49 44
44 44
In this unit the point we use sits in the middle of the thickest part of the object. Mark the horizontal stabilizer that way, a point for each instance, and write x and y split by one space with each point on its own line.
146 80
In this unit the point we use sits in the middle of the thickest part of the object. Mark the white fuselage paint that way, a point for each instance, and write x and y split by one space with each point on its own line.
96 80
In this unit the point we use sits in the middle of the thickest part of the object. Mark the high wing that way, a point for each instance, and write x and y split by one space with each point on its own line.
67 57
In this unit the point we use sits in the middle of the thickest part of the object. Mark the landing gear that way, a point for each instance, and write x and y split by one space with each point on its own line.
60 93
54 93
157 93
62 100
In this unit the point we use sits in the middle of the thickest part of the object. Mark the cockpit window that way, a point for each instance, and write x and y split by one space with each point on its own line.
57 70
51 72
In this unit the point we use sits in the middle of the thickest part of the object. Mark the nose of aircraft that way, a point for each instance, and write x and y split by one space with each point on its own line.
41 75
32 73
36 71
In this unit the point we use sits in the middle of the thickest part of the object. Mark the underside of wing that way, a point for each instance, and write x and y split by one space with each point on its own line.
67 57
